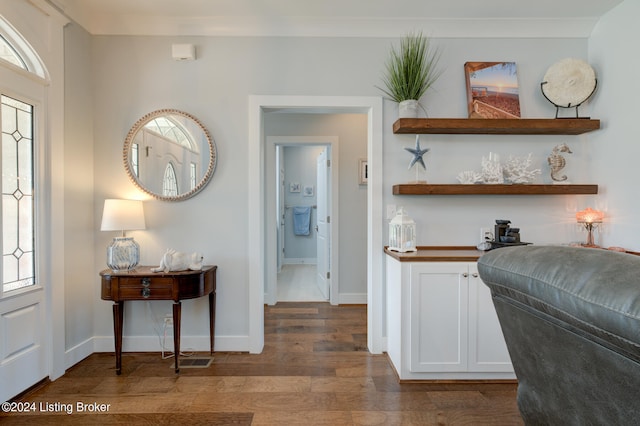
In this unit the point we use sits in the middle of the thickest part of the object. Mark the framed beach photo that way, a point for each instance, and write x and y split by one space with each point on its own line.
492 90
294 187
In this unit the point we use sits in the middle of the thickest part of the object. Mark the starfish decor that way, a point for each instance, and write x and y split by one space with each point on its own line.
417 154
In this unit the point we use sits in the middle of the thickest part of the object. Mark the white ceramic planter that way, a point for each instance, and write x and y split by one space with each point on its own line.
408 109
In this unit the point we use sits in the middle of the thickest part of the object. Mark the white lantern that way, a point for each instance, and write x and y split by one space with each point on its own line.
402 232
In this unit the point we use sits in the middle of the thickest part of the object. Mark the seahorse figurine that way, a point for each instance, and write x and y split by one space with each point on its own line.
557 161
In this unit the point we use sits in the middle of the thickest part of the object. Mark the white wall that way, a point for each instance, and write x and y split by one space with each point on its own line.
135 75
80 219
614 150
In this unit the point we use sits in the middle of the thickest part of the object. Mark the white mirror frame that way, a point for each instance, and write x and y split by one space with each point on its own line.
131 137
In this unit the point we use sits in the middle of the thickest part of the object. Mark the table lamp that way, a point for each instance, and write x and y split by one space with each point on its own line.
122 215
590 219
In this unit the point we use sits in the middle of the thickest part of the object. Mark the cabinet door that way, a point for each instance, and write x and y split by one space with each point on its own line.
487 348
439 315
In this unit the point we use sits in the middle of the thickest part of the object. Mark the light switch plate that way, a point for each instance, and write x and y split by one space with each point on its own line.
391 211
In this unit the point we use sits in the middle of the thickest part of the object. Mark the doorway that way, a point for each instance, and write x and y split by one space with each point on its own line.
292 176
259 226
303 203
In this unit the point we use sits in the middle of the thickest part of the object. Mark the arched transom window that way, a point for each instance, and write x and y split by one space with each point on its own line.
15 50
9 54
172 131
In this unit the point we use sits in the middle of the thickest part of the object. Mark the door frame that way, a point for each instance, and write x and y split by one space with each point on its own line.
271 260
325 224
43 48
256 206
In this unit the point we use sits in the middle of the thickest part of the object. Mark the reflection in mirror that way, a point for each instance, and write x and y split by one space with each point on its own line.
169 154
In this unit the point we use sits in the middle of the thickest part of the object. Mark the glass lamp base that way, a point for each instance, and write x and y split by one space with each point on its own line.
123 254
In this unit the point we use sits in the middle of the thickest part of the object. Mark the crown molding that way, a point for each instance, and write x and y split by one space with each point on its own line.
336 27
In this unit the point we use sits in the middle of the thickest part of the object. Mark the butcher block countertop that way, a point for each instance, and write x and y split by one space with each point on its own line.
438 254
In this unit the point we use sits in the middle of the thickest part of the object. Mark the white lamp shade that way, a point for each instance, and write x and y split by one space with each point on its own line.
122 215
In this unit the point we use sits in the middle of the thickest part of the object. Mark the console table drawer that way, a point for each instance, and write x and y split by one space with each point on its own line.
145 288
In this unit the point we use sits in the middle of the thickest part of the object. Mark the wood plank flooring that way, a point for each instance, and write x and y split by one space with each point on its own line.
314 370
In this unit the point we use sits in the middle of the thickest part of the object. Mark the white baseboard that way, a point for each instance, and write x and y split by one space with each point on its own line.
299 261
352 298
79 352
187 343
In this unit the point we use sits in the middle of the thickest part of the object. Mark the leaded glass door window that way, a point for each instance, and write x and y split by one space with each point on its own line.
18 267
170 181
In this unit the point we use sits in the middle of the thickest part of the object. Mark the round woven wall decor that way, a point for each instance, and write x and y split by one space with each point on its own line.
569 82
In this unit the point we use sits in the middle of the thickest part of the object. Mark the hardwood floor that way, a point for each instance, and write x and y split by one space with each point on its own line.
314 370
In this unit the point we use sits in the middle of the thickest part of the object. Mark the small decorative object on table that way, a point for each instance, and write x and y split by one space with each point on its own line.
174 260
402 232
557 162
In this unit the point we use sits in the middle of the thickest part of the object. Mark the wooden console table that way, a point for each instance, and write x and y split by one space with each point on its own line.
143 284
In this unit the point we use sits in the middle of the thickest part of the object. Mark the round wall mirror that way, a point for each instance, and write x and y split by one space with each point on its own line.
169 154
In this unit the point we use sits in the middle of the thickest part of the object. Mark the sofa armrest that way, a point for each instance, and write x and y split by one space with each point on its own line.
597 291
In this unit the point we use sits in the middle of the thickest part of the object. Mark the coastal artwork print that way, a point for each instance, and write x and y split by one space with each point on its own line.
492 89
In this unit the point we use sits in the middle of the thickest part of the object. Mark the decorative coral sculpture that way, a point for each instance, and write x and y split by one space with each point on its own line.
469 177
492 169
516 170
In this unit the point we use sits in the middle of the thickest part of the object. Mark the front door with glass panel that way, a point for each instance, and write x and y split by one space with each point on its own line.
22 308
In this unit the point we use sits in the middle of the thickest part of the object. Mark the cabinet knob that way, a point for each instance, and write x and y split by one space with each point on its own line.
465 275
474 275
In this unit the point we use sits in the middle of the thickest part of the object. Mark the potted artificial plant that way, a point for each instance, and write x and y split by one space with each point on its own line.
409 72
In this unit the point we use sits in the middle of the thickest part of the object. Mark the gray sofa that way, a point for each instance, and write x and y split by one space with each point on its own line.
571 320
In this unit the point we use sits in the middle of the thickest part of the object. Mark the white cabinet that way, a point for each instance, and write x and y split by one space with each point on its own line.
442 323
438 299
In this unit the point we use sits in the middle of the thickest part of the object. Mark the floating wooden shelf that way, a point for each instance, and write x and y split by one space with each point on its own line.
480 126
487 189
